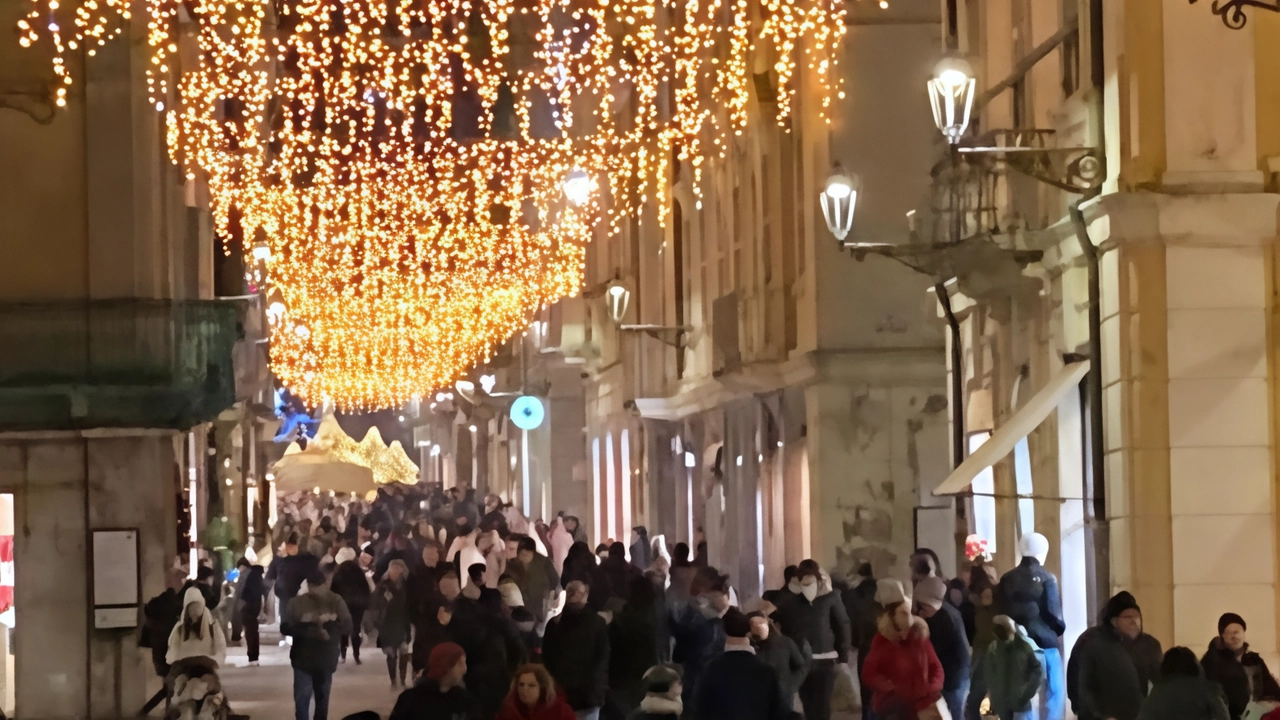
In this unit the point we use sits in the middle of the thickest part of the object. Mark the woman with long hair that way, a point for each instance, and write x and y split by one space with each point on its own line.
534 697
391 608
902 670
196 635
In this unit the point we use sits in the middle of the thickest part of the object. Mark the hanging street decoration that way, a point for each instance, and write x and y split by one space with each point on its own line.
420 177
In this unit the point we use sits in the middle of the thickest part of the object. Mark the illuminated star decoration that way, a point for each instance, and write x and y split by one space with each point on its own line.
403 160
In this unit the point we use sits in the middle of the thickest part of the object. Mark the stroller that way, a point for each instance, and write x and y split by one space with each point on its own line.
195 692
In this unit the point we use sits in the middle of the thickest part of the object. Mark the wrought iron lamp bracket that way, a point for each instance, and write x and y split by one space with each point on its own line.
1073 169
1232 11
661 333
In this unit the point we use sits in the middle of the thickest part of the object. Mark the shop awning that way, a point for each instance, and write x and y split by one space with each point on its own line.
1018 426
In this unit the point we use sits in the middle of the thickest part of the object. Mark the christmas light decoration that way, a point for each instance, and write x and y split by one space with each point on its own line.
417 178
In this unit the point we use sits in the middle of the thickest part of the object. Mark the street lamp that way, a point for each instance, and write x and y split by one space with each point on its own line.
577 187
261 252
839 199
619 299
951 94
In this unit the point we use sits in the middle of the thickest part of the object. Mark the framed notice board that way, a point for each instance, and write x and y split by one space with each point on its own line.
115 579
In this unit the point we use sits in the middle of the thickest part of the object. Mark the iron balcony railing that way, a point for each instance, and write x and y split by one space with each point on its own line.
115 363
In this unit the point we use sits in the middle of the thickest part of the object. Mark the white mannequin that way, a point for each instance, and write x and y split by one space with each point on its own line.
1034 545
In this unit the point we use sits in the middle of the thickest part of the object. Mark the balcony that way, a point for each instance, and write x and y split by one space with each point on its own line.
115 363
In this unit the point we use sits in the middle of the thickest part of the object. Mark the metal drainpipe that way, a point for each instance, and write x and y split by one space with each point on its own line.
957 377
1097 515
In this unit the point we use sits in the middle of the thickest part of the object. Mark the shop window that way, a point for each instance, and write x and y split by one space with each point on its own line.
984 501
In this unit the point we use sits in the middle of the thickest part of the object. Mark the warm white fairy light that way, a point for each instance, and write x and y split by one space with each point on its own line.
403 246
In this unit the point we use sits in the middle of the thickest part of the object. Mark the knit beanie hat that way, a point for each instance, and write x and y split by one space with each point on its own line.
889 592
1230 619
1120 602
931 591
444 657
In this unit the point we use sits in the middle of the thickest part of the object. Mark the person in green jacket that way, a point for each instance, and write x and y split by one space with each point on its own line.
1183 692
1010 671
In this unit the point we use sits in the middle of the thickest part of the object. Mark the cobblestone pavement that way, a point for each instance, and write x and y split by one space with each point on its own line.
266 692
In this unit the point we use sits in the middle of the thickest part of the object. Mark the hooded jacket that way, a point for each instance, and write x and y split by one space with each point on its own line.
904 675
1221 666
1108 676
1011 670
253 591
203 639
1029 595
1184 698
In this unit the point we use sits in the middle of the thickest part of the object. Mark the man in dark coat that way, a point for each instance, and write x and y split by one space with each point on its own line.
252 594
1113 664
160 614
737 685
1029 595
618 574
821 621
946 632
1242 673
352 585
440 694
289 571
535 575
780 595
781 653
575 649
492 641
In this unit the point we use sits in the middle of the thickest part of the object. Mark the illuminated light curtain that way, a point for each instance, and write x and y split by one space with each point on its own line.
403 160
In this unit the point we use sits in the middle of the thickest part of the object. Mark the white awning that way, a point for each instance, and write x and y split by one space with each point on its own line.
1018 426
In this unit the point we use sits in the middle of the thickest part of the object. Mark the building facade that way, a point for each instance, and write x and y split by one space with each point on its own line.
1117 357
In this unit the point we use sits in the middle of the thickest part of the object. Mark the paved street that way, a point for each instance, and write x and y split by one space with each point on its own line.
266 692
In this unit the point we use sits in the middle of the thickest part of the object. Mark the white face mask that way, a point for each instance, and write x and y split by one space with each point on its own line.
809 591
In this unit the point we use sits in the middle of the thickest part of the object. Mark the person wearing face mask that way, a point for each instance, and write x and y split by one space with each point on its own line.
1242 673
821 621
696 629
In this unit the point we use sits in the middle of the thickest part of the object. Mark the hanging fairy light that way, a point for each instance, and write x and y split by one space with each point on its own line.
418 178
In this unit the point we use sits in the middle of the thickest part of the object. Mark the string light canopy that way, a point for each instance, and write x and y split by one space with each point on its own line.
419 177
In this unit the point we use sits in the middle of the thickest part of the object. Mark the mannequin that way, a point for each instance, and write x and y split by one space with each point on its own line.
1029 595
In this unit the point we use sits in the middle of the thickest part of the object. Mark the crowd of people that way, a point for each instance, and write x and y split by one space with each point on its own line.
480 614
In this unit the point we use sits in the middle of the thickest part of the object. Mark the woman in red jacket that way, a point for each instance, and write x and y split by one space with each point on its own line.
534 697
902 670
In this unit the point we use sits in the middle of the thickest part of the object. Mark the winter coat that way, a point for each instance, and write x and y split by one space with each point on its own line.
633 650
390 605
205 639
783 655
253 591
946 632
618 575
536 582
904 675
699 639
352 585
424 701
316 620
160 614
1012 674
657 707
1029 595
288 572
494 651
555 709
1242 680
737 685
575 649
1184 698
1107 676
822 622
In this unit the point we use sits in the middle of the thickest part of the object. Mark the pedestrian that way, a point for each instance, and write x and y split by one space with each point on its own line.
617 573
494 518
536 576
902 670
351 584
925 563
534 696
253 593
774 597
946 633
781 653
316 621
696 629
196 634
1113 663
1010 672
1183 692
737 685
662 695
982 590
1029 595
641 552
494 552
390 607
160 615
819 620
576 651
633 647
440 694
1242 673
288 571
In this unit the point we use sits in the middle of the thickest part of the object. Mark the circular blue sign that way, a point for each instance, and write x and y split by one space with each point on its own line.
527 412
